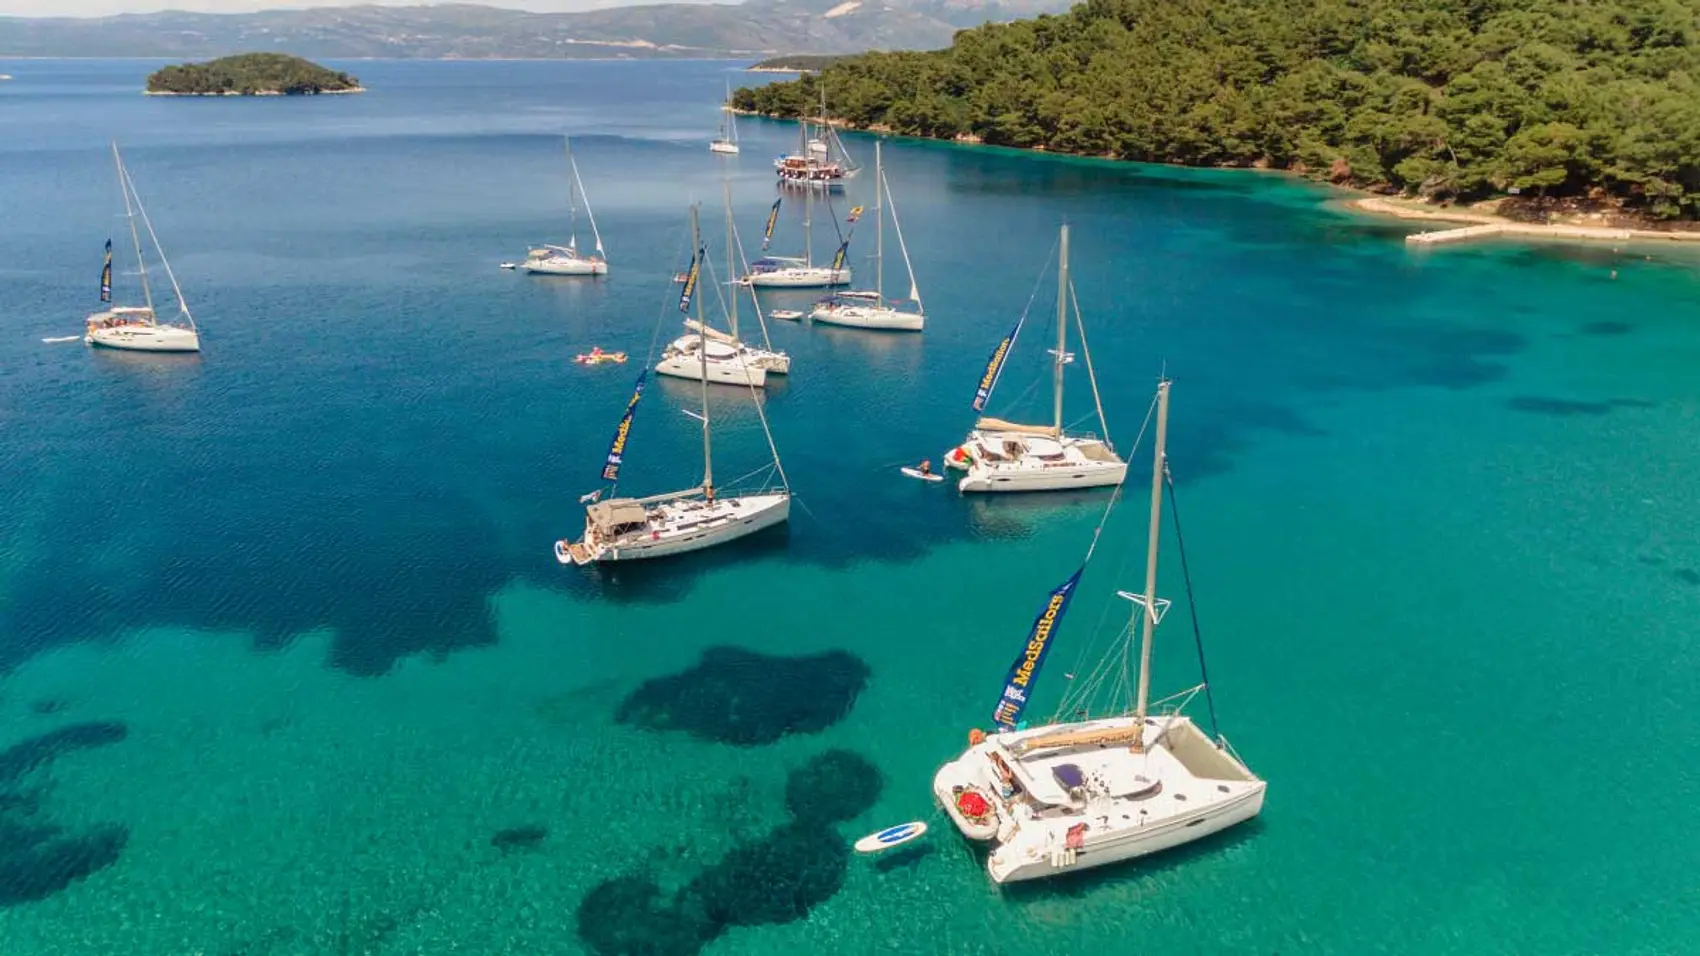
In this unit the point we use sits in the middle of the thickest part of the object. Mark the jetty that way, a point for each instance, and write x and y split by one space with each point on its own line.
1530 230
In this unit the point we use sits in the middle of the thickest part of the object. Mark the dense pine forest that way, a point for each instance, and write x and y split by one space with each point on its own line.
1448 99
249 74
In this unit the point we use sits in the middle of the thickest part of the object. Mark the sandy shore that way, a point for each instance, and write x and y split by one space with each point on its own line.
1479 216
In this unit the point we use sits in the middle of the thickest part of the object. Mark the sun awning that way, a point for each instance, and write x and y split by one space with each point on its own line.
608 515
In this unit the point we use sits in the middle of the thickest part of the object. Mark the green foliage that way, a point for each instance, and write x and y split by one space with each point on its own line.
1454 98
249 74
800 62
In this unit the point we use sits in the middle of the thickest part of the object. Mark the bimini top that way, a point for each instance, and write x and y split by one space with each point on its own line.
768 263
999 425
610 515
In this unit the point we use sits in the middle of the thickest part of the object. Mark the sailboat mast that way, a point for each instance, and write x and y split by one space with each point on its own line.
879 224
1158 460
572 197
808 227
726 198
702 352
130 216
1062 327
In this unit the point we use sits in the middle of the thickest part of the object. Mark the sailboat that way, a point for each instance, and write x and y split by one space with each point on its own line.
814 165
1087 793
137 327
676 522
727 139
1000 455
868 309
798 272
567 260
721 356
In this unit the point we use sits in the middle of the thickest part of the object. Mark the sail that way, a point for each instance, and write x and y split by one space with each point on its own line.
106 275
838 257
994 366
617 448
1026 667
772 217
690 283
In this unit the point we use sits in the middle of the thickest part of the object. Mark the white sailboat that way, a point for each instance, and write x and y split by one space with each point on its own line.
676 522
567 260
868 309
1000 456
1087 793
137 328
721 356
726 141
793 272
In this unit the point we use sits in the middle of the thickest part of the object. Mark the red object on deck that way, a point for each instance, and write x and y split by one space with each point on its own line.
972 805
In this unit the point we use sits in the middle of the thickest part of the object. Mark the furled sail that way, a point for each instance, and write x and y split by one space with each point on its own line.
617 448
1019 683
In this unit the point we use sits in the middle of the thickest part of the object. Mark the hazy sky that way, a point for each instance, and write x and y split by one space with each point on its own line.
101 8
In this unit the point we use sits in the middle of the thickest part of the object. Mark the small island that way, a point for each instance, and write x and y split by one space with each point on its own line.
795 63
251 74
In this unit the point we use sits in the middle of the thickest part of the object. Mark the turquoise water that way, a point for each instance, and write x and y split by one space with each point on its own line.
286 665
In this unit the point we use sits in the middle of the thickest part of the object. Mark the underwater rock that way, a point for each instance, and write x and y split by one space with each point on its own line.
527 837
37 862
625 917
833 787
739 697
21 758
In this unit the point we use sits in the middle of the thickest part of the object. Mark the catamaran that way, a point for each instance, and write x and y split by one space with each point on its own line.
676 522
793 272
726 141
821 163
1000 455
721 356
136 327
868 309
1086 793
567 260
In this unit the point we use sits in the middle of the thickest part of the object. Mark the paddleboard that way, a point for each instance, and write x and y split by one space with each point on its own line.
916 473
890 837
510 265
785 314
63 338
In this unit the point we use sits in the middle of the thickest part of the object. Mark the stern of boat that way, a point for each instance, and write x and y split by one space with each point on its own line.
960 777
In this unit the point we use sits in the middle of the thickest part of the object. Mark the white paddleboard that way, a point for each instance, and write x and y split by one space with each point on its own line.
890 837
786 314
63 338
510 265
916 473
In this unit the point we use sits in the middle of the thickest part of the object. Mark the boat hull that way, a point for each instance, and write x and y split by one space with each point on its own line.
800 279
1181 830
995 480
858 317
727 149
707 524
145 338
734 372
564 267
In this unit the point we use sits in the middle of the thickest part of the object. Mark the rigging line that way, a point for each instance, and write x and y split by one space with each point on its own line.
666 303
743 269
1091 376
182 305
1032 297
1186 575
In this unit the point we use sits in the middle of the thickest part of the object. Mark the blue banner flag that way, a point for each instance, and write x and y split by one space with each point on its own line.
994 366
106 275
1026 667
838 258
617 448
690 282
772 217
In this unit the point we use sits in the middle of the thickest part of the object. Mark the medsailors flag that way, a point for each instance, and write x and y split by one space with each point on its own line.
690 283
617 448
106 275
994 366
772 217
1019 683
838 258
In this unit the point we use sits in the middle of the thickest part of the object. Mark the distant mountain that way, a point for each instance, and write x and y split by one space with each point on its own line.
465 31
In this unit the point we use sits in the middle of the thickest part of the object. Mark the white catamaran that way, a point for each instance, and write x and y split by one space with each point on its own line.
726 141
868 309
1001 456
707 352
631 529
136 327
1091 792
567 260
793 272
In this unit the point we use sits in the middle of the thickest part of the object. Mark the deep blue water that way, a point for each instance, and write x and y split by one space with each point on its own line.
286 665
